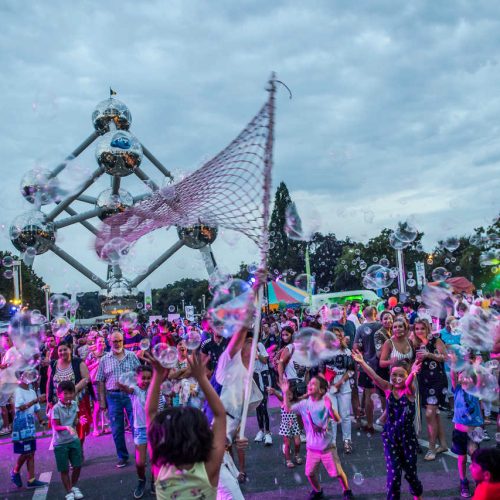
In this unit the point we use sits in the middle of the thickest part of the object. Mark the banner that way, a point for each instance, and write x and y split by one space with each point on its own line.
420 269
189 312
148 297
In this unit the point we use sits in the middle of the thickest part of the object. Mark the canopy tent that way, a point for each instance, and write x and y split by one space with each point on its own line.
279 292
459 284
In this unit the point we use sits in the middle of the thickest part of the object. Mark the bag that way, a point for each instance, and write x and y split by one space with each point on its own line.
298 387
23 426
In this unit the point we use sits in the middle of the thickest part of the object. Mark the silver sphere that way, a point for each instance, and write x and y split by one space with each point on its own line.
32 230
38 187
197 236
119 153
114 203
111 110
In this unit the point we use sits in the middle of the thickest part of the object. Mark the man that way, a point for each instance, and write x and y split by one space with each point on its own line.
114 364
212 349
353 315
364 342
409 310
132 340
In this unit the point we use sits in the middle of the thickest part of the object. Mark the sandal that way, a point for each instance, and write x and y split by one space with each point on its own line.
441 449
290 464
299 460
430 455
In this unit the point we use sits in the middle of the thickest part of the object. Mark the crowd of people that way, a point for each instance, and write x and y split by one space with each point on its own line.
395 360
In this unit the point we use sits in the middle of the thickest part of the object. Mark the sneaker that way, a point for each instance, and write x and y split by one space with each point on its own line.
486 436
77 492
347 495
347 446
268 440
15 477
121 463
316 494
140 488
36 484
4 431
70 496
464 489
303 439
259 437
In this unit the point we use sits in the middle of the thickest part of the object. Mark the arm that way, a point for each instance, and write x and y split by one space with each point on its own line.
160 373
379 381
125 388
385 361
285 391
441 357
236 343
84 371
271 390
102 395
213 464
283 361
29 404
410 386
331 411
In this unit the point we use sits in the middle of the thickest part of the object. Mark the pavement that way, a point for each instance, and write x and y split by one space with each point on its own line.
267 475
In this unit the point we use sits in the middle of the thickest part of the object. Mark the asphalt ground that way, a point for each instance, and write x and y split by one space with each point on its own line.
268 476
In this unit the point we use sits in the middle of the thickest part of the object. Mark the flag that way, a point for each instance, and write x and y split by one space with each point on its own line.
111 92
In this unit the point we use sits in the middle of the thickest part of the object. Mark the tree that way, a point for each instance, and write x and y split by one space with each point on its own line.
324 252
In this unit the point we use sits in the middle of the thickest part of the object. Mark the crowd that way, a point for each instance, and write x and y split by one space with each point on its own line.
392 359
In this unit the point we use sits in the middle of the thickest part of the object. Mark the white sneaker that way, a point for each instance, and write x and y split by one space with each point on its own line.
259 437
268 440
303 438
77 493
70 496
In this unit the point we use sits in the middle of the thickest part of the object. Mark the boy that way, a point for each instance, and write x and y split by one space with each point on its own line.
67 446
485 470
23 435
316 411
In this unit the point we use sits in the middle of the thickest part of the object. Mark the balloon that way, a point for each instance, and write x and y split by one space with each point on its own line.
393 302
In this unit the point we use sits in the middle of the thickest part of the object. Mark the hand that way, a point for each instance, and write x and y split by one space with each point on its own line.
241 443
71 430
416 366
284 386
198 366
42 398
83 420
357 356
270 390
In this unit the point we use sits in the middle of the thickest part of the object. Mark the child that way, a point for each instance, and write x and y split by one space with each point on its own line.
316 411
467 415
485 470
289 429
67 446
23 436
186 455
138 396
399 438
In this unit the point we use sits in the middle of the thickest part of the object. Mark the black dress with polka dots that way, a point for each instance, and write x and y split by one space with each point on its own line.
432 383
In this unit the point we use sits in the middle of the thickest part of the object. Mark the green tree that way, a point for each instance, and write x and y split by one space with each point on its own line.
324 253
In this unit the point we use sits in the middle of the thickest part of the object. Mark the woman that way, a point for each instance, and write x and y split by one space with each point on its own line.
398 347
96 351
67 367
262 378
432 384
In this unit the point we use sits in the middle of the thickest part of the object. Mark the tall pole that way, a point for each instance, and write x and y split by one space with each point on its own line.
17 280
46 289
401 271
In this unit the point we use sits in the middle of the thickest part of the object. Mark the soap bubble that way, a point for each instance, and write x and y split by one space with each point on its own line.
301 228
8 274
59 305
158 349
144 344
396 243
313 346
479 330
171 309
377 277
128 379
440 274
193 340
411 282
8 261
2 301
29 376
128 320
358 478
167 387
434 298
457 357
60 326
476 434
406 232
451 243
490 258
25 335
384 262
301 281
168 357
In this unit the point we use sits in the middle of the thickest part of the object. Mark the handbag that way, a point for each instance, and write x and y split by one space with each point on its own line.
23 426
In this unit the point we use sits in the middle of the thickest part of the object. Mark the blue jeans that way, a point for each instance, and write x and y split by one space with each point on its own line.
118 402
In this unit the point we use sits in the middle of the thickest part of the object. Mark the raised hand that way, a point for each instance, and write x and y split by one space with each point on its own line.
197 365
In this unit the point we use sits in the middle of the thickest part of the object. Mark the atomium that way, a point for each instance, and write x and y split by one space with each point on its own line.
32 230
111 110
114 203
119 153
197 236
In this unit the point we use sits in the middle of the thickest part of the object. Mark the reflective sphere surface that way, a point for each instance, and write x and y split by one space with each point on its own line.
114 203
197 236
119 153
38 188
31 230
111 110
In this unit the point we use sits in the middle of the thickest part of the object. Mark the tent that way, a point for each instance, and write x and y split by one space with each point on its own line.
459 284
279 292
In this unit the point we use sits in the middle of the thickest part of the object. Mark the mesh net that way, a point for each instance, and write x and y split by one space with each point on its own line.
230 191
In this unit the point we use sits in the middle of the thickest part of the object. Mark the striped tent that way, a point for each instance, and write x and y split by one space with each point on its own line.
281 292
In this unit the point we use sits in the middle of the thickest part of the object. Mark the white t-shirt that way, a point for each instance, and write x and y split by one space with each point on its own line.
352 317
292 365
23 396
259 367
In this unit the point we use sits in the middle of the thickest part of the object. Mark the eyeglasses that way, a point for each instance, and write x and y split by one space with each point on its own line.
117 341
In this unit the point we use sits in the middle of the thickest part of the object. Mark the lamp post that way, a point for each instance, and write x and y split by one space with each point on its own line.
46 289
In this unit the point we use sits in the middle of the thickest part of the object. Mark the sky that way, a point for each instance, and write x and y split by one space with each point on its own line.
394 116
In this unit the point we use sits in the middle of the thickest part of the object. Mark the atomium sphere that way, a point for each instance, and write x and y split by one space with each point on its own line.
38 187
197 236
119 153
114 203
32 230
111 110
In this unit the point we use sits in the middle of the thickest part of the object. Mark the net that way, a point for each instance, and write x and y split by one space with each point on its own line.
229 191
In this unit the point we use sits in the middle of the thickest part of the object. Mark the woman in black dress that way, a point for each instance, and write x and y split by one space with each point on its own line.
432 384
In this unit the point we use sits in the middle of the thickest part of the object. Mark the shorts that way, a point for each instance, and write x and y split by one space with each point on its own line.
68 453
140 435
461 443
365 381
329 458
25 447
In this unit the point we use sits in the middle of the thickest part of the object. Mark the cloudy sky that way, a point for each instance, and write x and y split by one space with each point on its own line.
395 109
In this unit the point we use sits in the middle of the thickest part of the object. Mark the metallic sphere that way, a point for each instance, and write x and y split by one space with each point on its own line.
114 203
32 230
197 236
119 153
111 110
38 187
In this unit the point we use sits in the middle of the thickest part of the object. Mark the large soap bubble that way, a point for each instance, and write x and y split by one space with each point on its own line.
396 243
451 243
479 330
406 232
377 277
435 298
38 187
59 305
26 335
440 274
313 346
301 228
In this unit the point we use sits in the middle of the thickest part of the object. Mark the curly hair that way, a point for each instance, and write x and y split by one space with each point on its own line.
180 435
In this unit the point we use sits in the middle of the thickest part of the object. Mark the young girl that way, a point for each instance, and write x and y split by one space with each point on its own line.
399 438
316 412
289 429
186 454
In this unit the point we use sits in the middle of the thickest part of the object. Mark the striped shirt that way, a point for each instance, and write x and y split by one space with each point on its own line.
110 368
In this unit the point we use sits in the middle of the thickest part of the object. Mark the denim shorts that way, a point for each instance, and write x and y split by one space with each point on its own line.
140 435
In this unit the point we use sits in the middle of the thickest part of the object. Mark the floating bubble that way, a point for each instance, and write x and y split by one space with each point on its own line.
8 274
128 320
301 228
434 298
432 400
476 434
313 346
139 305
193 340
478 330
171 309
252 268
29 376
144 344
167 387
59 305
8 261
440 274
358 479
384 262
490 258
168 357
128 379
377 277
406 232
451 243
37 318
60 326
25 335
2 301
411 282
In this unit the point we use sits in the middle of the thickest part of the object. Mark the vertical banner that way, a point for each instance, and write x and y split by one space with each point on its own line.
189 312
420 272
148 297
